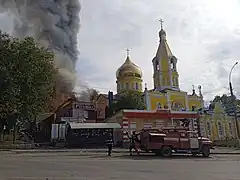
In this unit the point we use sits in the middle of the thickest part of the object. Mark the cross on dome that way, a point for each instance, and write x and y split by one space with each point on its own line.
161 21
128 52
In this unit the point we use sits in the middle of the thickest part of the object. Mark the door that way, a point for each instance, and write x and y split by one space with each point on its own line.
194 143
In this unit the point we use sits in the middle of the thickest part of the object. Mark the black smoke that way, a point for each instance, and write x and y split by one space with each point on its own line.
54 24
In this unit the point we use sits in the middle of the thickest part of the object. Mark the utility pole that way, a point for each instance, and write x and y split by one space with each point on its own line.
234 105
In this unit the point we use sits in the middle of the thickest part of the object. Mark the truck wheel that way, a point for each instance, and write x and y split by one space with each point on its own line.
205 151
166 151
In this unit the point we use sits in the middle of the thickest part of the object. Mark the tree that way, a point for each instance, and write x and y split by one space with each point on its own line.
129 100
226 101
27 78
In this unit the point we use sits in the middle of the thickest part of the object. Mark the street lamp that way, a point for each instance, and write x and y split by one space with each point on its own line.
234 104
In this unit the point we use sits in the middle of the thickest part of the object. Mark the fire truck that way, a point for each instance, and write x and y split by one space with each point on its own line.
166 141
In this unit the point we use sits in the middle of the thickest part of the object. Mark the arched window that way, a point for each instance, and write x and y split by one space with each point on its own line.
127 86
220 129
157 67
173 81
136 86
230 129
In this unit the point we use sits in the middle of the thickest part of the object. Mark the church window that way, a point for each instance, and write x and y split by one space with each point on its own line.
172 67
230 129
157 67
136 86
174 81
127 86
220 129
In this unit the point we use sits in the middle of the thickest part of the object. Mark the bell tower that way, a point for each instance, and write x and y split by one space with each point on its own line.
165 75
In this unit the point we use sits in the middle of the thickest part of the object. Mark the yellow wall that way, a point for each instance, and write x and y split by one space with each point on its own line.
178 98
170 98
165 72
194 101
161 98
164 64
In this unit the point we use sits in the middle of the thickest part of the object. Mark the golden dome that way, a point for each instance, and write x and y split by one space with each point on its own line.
129 69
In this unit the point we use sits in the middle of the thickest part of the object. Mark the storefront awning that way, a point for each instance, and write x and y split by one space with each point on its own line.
94 125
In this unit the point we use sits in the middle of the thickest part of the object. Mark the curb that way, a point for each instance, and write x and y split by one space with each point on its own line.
226 153
94 151
57 151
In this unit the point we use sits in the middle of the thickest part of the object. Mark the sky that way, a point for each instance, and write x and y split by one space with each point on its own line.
204 36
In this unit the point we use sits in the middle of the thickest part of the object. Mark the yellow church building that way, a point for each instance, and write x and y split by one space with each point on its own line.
166 93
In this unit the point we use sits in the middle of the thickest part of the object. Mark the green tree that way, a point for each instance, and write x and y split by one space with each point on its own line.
129 100
27 78
226 101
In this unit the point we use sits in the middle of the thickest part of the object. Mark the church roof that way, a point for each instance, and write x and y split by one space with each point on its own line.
163 45
128 67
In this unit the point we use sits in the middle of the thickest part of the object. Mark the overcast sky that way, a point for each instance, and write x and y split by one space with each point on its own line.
204 36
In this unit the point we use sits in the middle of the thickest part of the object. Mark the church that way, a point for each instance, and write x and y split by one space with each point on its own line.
166 104
166 93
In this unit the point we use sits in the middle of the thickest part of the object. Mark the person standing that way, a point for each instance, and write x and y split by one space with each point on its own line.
110 144
132 139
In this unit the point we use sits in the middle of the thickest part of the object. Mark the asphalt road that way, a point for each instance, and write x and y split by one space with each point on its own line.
93 166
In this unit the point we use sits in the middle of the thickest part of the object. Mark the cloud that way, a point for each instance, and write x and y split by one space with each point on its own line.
203 35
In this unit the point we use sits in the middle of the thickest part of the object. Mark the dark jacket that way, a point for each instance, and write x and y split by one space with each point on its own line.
109 142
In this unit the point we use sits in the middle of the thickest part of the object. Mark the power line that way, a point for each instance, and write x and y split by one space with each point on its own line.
93 87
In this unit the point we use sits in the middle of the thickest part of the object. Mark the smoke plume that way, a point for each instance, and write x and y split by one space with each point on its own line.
54 24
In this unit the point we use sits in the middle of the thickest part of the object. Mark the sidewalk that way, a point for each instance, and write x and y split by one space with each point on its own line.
218 150
225 150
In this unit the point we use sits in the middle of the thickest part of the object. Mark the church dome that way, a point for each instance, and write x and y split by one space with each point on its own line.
162 32
129 69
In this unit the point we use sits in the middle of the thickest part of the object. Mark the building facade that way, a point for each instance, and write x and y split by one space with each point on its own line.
217 125
166 93
101 104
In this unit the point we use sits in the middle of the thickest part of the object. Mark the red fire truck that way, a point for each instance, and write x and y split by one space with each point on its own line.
173 140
